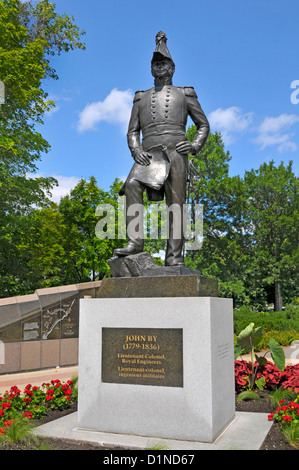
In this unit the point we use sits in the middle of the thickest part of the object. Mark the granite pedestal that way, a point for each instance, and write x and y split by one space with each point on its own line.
158 286
156 367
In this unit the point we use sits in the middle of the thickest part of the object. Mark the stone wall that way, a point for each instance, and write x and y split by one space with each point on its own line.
40 330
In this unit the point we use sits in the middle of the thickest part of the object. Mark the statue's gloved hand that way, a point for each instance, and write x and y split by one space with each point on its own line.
143 158
185 147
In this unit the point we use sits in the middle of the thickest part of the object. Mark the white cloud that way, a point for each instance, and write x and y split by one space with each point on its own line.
122 177
287 146
275 131
115 109
276 124
57 99
65 185
230 121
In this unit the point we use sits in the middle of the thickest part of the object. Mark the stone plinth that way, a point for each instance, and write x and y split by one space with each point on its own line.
152 286
158 367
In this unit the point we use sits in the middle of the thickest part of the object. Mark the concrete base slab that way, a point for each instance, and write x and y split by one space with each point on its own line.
246 432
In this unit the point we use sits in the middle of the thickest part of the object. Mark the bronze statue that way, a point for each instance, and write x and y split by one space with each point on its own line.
160 114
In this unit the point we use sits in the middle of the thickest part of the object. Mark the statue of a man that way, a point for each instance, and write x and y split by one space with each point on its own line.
160 114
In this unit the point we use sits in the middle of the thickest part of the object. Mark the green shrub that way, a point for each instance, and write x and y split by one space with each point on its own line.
284 338
291 311
286 320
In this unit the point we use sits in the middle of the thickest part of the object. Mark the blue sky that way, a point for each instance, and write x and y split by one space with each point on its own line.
241 58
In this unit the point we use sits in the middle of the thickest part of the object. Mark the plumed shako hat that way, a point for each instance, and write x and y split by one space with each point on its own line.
161 47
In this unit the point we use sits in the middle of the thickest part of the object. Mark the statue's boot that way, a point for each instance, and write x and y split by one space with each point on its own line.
132 248
174 262
174 253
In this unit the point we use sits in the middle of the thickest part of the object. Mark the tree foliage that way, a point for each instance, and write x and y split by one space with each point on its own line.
29 37
272 223
88 255
57 244
223 202
250 228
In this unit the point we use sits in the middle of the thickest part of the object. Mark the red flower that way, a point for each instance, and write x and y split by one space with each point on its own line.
49 397
2 431
28 415
282 408
294 405
8 422
287 418
6 405
289 378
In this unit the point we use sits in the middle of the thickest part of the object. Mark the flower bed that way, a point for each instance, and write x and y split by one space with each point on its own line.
286 417
285 414
274 378
34 402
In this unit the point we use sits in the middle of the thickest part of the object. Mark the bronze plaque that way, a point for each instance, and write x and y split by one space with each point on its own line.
144 356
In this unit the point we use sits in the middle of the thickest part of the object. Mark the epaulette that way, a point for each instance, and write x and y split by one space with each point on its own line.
137 96
189 91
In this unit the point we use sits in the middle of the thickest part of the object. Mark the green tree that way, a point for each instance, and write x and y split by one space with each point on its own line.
41 248
29 37
57 245
224 249
272 225
88 254
250 227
